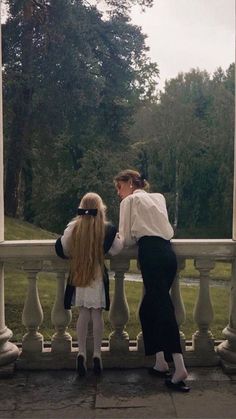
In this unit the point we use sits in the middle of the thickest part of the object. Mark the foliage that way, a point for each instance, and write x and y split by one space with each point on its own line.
184 143
81 104
72 81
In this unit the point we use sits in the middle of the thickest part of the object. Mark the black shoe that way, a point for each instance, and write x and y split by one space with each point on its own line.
80 366
160 374
179 386
97 366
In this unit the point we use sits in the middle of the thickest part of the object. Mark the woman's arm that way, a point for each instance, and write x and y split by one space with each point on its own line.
125 225
117 246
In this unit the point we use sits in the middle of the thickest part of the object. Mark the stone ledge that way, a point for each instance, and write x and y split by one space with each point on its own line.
47 359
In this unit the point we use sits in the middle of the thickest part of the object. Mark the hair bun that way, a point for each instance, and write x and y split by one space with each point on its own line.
143 177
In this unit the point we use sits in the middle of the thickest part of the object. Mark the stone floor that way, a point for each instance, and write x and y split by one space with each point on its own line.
117 394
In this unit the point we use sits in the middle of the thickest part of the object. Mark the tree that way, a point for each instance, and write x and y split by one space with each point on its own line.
188 140
84 78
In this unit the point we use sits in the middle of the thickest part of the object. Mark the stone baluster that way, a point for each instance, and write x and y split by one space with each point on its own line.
203 341
8 351
177 300
119 311
32 315
227 349
61 318
140 343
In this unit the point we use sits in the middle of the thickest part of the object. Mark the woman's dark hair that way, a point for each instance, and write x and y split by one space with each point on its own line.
137 179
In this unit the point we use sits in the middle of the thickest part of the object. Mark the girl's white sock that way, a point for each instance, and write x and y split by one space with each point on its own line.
82 329
98 327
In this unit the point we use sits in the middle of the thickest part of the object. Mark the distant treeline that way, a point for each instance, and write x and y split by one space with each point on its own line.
81 102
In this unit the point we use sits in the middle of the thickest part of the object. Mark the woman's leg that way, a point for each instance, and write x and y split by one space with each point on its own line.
160 330
180 370
161 364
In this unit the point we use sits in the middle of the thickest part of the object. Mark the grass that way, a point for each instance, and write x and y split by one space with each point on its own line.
16 229
16 290
222 270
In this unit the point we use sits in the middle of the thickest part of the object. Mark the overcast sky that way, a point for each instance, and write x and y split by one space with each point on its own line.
185 34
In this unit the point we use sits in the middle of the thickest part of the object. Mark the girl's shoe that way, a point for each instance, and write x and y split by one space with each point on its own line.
81 366
97 365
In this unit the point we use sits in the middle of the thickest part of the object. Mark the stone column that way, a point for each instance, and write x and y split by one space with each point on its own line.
227 349
8 351
61 318
119 311
140 342
176 297
203 341
32 315
234 190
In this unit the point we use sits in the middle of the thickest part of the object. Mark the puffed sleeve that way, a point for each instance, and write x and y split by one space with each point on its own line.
125 222
62 244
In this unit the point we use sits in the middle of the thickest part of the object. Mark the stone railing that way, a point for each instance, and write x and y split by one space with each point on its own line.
39 256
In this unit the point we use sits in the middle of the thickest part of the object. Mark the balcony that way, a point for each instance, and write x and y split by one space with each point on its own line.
119 351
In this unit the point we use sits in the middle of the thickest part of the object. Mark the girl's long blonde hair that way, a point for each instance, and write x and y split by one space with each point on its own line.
86 247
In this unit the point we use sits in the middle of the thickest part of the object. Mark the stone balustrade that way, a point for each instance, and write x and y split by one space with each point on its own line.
39 256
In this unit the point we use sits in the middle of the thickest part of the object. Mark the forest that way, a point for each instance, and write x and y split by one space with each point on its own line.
81 102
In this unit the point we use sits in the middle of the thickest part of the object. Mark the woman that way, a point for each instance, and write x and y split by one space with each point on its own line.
84 242
144 220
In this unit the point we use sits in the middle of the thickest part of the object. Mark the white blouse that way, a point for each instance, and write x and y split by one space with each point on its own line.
115 248
143 214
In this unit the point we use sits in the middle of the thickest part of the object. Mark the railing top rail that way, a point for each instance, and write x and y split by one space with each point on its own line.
221 249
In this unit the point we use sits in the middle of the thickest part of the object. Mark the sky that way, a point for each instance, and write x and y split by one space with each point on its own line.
186 34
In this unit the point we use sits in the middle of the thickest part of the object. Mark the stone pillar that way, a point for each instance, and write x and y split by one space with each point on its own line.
140 342
61 318
119 311
32 315
203 341
8 351
234 190
176 297
227 349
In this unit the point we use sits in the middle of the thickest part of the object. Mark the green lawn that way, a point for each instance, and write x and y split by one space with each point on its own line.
221 271
16 229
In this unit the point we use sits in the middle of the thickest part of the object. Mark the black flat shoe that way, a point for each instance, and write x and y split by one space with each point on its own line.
97 366
160 374
179 386
80 366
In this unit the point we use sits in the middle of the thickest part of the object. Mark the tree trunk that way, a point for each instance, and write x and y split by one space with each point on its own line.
19 138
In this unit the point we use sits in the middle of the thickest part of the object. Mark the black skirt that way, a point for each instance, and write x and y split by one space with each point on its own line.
158 266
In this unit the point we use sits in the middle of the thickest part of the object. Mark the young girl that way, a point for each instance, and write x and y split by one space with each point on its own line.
144 221
85 241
